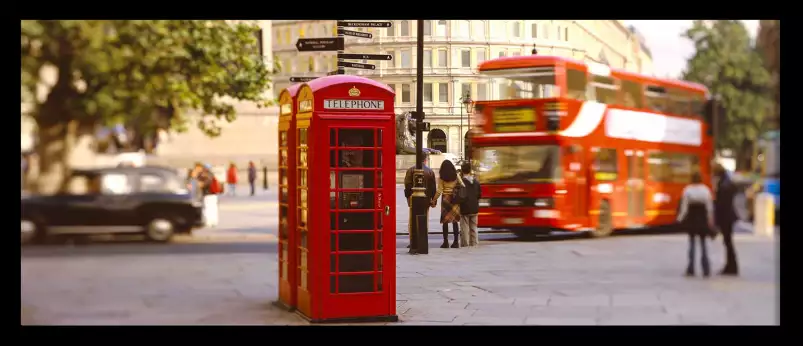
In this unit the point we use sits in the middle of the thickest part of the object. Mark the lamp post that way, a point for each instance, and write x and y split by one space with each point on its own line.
468 104
420 203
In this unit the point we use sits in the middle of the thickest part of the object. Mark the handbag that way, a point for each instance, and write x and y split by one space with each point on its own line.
458 193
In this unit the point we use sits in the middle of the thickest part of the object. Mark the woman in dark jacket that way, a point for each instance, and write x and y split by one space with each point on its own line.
450 212
697 217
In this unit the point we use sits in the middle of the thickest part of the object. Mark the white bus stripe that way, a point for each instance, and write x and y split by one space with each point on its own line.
587 119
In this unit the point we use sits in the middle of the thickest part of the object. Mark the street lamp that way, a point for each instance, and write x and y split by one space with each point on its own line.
468 104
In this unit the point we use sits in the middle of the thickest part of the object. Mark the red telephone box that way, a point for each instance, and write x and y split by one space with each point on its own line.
287 197
346 222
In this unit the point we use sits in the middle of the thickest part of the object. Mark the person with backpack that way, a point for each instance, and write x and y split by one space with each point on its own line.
210 188
469 208
450 186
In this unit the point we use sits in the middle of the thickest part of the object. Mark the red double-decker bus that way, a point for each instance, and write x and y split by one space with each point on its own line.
571 146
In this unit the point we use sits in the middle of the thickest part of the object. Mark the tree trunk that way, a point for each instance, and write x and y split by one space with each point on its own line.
55 145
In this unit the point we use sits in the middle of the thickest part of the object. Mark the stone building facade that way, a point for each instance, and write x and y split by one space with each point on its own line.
454 49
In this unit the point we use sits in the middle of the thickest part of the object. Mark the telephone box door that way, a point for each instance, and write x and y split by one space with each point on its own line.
362 219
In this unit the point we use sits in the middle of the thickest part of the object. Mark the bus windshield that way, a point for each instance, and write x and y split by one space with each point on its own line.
518 164
517 84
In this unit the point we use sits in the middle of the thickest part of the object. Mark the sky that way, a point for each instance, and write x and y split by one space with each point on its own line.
669 50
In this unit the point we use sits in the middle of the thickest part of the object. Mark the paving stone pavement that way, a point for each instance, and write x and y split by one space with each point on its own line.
615 281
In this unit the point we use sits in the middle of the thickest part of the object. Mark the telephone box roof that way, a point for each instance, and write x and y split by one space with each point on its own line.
325 82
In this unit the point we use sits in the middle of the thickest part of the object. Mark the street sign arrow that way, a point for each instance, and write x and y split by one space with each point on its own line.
356 65
366 56
363 24
301 79
323 44
357 34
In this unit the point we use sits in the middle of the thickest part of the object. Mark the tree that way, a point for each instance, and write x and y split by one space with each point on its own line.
149 74
728 64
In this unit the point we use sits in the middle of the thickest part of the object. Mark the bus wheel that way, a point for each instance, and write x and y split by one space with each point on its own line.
605 221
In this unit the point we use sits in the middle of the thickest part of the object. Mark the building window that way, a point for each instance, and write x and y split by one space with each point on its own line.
395 93
427 92
498 28
482 92
566 33
464 28
437 140
405 58
260 41
534 30
427 28
440 30
560 33
516 54
480 55
428 58
391 63
302 30
390 31
516 29
465 89
465 57
545 30
478 29
443 92
502 53
405 93
287 36
405 28
443 58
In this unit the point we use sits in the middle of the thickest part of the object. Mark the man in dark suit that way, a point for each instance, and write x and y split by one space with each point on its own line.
430 185
725 216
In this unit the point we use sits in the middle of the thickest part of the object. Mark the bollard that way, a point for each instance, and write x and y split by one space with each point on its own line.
764 219
265 178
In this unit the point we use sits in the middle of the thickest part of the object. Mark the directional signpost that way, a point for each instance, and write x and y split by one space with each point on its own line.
301 79
319 44
357 34
366 56
330 44
350 24
356 65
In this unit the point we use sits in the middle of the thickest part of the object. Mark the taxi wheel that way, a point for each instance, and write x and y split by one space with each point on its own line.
605 221
160 229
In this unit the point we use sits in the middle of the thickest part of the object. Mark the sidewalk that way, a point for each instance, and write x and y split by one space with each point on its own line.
617 280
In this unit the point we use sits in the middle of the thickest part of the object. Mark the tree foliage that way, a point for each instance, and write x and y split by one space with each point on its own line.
143 73
727 62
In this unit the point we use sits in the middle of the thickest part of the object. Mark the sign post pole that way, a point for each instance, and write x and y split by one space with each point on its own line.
340 35
420 202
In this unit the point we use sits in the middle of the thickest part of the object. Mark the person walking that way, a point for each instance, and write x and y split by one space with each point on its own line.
210 188
696 216
725 217
231 179
252 176
470 207
449 185
429 191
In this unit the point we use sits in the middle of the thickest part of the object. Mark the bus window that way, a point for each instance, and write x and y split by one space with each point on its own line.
518 164
672 167
679 102
698 105
531 83
604 90
605 165
656 98
632 94
658 167
576 81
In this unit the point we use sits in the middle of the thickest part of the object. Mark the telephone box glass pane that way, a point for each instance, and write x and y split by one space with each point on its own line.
333 284
349 221
302 158
350 263
379 159
356 180
379 278
284 176
332 158
302 218
283 221
302 136
282 138
356 241
333 242
332 200
379 138
378 258
332 138
357 200
302 175
379 179
332 180
356 138
332 221
302 198
355 158
283 158
356 283
283 194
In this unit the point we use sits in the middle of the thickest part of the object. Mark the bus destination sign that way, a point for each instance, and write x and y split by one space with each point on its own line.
514 119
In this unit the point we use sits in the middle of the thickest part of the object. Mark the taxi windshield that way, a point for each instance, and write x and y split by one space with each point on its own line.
518 164
518 84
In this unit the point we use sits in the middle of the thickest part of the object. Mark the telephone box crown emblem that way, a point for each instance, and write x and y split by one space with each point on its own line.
354 92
